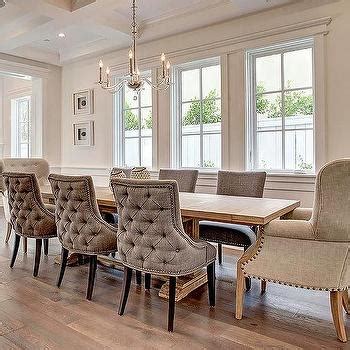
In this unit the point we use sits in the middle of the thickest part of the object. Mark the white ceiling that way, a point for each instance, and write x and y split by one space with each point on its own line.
29 28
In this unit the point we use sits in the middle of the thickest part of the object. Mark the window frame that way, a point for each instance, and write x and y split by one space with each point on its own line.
16 126
176 106
119 125
251 120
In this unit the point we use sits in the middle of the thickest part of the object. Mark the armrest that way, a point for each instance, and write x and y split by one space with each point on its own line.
297 229
299 214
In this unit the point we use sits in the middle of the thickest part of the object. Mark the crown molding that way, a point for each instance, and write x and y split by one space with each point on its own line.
312 27
23 68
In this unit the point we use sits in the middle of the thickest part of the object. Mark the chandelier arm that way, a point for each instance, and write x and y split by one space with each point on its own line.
162 85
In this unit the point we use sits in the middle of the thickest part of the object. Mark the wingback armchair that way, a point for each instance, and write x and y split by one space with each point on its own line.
37 166
312 254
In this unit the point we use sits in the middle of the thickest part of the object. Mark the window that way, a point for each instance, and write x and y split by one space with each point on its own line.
21 127
134 127
281 108
197 115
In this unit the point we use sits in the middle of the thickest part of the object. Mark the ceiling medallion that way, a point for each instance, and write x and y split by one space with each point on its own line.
134 80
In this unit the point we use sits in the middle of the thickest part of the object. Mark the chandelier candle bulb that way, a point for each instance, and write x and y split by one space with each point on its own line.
107 73
101 66
162 58
131 70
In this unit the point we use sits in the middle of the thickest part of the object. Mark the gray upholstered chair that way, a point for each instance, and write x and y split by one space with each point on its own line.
186 179
80 227
151 238
312 254
231 183
126 171
29 217
37 166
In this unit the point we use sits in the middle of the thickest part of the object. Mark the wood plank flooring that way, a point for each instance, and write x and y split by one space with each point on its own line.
34 314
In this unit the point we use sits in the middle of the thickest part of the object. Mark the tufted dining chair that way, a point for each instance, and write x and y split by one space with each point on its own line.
186 179
29 217
80 227
233 183
37 166
151 238
311 254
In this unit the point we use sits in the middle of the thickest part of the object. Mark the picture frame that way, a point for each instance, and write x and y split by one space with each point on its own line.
83 133
83 102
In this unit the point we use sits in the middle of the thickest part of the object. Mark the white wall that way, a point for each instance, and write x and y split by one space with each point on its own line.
235 37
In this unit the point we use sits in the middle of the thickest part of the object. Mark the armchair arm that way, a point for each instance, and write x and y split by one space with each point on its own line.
295 229
299 214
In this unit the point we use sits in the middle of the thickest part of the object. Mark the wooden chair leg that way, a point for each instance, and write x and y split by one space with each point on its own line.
64 258
126 289
138 278
38 245
172 296
92 274
211 283
239 293
346 303
46 246
147 281
15 249
337 313
220 253
8 233
263 286
25 245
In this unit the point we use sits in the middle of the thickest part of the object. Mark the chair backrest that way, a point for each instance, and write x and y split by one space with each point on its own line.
37 166
186 179
2 185
28 215
79 223
150 232
126 171
331 211
242 184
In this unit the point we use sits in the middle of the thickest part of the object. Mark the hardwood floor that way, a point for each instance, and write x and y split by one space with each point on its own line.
35 314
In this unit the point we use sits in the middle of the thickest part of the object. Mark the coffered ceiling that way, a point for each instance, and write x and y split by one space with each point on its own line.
30 28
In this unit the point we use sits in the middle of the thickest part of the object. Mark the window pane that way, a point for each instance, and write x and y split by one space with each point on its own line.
24 133
191 117
146 152
298 69
146 96
212 151
299 150
211 116
191 151
24 150
268 109
146 121
23 110
131 99
268 73
132 152
299 108
269 150
132 123
211 82
190 85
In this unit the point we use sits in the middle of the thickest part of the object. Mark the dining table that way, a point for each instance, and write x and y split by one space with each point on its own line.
195 207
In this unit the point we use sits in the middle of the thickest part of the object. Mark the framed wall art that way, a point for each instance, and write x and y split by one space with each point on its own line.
83 133
83 102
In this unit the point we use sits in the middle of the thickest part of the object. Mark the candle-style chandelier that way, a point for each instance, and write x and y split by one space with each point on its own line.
134 80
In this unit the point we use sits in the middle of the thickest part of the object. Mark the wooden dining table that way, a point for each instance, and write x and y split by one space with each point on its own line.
200 206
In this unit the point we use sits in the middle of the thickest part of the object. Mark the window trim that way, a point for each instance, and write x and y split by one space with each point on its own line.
251 122
176 108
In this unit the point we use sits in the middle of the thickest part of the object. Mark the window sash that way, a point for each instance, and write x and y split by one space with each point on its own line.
252 128
20 103
177 107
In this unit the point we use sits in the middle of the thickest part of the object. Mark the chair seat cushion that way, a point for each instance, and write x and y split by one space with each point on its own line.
230 234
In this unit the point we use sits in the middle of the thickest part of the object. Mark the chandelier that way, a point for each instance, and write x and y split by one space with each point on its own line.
134 80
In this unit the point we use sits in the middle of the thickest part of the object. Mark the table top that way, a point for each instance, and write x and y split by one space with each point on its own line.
243 210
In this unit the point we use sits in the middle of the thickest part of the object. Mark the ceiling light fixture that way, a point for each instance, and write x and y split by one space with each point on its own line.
134 80
61 35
